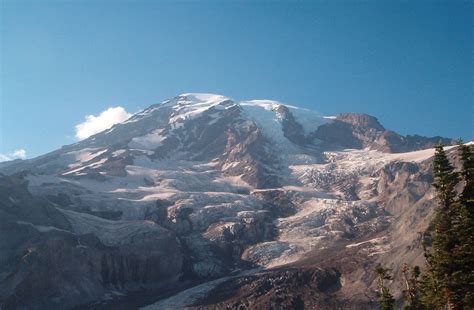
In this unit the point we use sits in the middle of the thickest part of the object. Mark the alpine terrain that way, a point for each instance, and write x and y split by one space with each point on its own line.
208 203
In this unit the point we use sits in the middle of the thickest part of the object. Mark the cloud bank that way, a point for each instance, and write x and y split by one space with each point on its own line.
106 119
17 154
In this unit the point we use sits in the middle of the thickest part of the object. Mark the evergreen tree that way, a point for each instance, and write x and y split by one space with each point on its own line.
445 179
466 153
448 282
463 252
439 287
386 300
412 288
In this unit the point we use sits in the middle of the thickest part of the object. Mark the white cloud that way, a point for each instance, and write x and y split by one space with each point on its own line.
106 119
17 154
20 153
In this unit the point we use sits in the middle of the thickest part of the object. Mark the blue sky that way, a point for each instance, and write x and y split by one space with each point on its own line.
409 63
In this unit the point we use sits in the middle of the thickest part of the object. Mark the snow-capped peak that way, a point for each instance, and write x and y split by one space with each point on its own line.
196 98
268 115
190 105
266 104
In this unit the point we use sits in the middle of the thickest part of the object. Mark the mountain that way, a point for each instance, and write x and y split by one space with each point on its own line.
205 202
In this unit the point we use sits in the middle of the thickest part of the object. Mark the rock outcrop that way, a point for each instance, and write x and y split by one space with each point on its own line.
55 260
351 130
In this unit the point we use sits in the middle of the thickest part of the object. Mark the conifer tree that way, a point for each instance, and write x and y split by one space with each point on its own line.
463 252
466 153
439 287
412 288
445 179
448 282
386 300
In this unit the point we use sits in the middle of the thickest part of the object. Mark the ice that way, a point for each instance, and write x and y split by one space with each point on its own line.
192 105
148 142
93 165
310 120
264 114
111 233
118 153
41 228
417 156
193 294
86 155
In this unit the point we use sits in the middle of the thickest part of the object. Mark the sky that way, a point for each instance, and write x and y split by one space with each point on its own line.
70 63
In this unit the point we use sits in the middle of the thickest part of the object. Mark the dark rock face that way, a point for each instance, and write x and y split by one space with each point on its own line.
234 239
277 202
44 264
361 120
203 137
245 155
337 134
357 131
291 128
18 203
292 288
